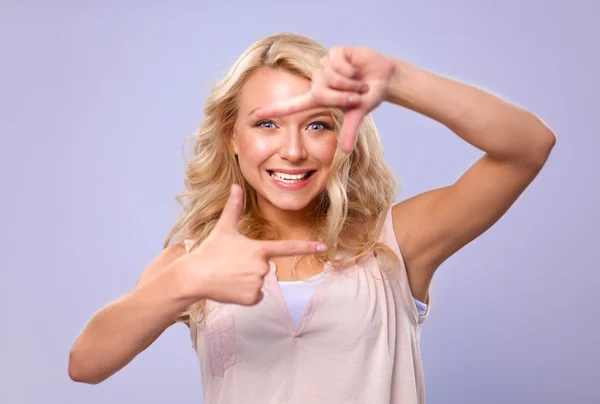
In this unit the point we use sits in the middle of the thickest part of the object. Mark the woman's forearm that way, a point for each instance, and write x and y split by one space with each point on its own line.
499 128
122 329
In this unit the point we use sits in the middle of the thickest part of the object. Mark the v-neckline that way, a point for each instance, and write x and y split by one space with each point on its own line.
277 294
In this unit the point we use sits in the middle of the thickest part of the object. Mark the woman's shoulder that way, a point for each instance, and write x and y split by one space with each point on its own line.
188 244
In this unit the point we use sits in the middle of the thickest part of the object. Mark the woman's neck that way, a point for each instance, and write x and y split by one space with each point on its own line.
292 224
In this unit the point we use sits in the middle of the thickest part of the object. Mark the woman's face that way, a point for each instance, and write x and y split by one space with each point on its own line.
286 160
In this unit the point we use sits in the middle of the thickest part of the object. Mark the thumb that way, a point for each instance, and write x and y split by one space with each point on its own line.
232 210
350 125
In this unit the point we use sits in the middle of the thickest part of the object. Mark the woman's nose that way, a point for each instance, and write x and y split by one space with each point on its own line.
292 147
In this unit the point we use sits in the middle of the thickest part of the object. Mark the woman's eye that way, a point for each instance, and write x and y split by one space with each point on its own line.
315 126
266 124
318 126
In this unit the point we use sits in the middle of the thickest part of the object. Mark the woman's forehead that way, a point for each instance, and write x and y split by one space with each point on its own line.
269 86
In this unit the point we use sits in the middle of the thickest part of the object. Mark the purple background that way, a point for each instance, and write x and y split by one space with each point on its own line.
96 98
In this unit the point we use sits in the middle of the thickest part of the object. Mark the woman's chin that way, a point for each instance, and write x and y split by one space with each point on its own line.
291 203
295 205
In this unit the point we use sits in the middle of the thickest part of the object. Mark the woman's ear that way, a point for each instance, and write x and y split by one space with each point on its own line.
233 143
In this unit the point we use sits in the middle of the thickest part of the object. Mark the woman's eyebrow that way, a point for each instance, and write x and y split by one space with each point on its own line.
311 116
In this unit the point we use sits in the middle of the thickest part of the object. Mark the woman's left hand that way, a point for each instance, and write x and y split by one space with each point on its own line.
356 80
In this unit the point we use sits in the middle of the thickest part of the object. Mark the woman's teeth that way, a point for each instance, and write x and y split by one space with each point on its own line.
289 178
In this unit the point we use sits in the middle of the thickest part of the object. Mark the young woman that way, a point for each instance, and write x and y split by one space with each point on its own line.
275 317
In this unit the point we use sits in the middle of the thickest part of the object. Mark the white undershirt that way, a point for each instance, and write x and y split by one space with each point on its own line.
296 295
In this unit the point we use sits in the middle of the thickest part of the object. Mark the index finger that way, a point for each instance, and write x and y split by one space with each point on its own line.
296 104
289 248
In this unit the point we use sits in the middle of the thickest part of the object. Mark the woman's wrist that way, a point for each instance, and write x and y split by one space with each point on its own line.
185 284
399 86
171 289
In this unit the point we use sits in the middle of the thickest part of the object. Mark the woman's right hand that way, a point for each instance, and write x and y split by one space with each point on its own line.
229 267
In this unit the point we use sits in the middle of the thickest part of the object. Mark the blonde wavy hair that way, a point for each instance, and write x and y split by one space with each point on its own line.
360 189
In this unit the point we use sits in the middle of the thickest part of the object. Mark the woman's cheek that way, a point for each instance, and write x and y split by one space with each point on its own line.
255 145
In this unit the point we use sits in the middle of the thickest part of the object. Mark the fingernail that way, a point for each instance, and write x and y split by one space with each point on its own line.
233 193
352 99
321 248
